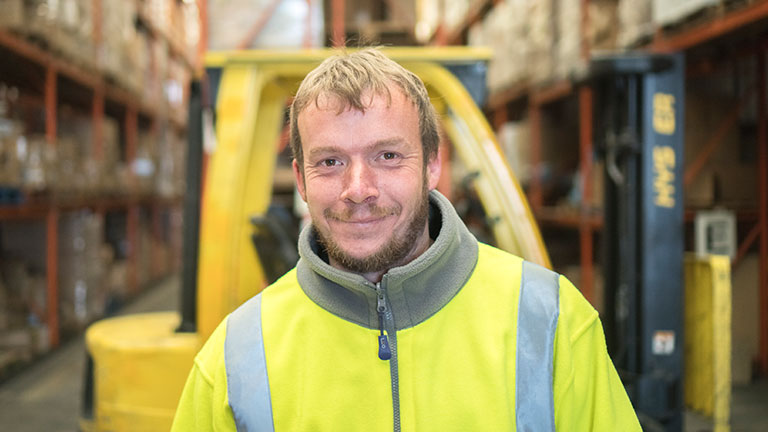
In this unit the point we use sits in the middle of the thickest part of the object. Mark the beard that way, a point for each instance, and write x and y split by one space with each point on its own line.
391 254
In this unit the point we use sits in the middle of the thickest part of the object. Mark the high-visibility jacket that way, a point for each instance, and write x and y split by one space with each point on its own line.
466 337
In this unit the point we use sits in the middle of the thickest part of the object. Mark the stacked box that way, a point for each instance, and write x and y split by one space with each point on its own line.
568 39
541 39
171 167
454 12
13 14
191 17
81 274
39 166
73 32
514 139
174 89
668 12
504 29
15 279
603 28
285 29
144 165
10 139
109 167
117 57
635 22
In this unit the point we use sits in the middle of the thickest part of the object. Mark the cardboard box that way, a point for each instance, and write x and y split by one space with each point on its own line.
635 22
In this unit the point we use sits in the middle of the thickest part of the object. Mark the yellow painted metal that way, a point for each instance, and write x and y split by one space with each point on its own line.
452 54
708 337
513 225
140 366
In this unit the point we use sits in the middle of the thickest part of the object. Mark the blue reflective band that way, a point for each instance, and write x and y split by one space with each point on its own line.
247 380
537 315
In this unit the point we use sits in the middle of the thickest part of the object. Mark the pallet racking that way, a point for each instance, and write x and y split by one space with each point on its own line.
57 79
744 23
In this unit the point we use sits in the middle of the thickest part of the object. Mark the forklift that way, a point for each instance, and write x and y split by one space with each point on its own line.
640 115
234 246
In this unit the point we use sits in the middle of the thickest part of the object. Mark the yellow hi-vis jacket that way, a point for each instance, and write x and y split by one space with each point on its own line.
464 338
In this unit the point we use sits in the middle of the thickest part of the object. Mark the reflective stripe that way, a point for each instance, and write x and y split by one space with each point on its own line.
536 325
247 381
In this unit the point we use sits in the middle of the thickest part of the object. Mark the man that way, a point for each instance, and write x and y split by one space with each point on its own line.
395 317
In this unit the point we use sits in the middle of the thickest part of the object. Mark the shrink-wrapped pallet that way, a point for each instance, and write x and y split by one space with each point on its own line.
568 58
603 28
11 139
231 21
541 40
635 22
454 13
13 14
81 276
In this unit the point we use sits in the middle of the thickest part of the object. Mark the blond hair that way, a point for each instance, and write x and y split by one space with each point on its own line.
347 77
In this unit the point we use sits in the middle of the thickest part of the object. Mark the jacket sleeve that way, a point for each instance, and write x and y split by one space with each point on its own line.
588 393
204 405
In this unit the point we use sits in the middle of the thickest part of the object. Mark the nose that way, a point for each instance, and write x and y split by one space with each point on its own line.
359 183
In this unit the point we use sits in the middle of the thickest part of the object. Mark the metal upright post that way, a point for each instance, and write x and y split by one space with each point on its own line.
585 165
535 194
52 217
763 202
132 222
338 35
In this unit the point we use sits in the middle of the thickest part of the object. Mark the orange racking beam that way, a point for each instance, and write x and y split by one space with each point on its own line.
710 30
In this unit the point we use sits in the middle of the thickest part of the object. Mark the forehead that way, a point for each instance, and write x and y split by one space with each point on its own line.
330 111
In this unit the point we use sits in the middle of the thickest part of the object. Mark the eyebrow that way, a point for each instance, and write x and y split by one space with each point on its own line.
320 151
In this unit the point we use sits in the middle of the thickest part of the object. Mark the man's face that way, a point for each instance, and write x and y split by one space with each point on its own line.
365 182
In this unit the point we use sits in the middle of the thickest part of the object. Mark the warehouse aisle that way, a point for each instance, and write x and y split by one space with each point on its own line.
46 396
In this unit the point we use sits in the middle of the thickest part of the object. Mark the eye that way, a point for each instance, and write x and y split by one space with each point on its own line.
389 155
329 162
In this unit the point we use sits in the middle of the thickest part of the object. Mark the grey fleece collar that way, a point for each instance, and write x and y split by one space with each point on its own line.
416 290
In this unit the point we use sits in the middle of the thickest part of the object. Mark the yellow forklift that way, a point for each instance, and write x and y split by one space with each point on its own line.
234 247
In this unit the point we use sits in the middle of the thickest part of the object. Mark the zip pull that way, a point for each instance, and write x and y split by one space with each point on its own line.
385 353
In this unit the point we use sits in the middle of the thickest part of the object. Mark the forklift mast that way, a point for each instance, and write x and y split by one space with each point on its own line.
641 103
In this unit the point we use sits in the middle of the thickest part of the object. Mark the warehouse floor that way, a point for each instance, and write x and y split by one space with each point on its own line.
46 396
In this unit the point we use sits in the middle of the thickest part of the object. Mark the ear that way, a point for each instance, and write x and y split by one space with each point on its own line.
434 167
300 185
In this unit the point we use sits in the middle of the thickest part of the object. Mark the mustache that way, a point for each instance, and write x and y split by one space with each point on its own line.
365 210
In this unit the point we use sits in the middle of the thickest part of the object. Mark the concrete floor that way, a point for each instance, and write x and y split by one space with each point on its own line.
46 396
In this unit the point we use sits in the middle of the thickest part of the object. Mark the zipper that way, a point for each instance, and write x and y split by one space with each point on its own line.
385 353
387 344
